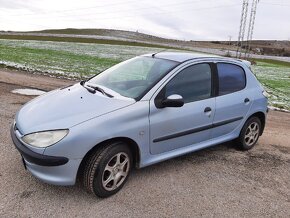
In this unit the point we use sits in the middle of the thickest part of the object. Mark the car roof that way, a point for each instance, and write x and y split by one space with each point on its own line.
179 56
185 56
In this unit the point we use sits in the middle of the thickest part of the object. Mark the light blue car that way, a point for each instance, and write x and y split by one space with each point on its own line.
137 113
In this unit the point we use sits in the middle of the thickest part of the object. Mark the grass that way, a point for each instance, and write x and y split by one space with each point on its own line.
53 61
82 60
82 40
268 62
275 77
75 60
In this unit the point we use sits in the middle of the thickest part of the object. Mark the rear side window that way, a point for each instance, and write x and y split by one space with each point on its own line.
231 78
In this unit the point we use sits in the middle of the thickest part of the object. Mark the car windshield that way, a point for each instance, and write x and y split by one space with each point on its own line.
132 78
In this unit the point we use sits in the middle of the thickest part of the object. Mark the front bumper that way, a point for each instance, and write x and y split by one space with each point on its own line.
50 169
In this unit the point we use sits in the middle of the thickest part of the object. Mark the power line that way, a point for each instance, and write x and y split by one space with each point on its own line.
140 9
275 4
134 10
154 13
103 6
71 10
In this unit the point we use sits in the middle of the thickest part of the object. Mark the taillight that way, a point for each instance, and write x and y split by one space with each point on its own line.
265 94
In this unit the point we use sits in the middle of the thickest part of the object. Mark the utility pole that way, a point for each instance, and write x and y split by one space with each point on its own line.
251 27
243 23
230 39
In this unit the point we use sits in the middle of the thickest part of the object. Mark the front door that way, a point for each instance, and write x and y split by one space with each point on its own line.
176 127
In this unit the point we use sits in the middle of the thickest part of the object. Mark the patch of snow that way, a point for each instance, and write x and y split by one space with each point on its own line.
278 109
33 92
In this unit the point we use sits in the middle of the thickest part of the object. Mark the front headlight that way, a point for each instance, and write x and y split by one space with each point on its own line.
45 139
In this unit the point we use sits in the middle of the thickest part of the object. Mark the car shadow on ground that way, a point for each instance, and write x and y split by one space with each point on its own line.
153 171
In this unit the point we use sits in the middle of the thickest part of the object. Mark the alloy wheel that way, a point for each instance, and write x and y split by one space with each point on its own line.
252 134
116 171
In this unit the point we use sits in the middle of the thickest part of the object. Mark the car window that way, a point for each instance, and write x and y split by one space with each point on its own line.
137 70
231 78
192 83
133 77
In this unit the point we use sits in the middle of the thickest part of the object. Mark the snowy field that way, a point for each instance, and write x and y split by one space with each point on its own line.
276 79
68 59
82 60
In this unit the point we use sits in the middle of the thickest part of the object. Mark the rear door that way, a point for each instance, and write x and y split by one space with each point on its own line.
173 128
232 101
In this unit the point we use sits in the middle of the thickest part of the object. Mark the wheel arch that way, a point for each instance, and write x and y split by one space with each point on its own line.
130 142
261 115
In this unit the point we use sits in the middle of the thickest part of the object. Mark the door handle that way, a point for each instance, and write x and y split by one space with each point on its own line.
207 109
246 100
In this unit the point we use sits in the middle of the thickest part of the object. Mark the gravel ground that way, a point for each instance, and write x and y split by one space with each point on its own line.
216 182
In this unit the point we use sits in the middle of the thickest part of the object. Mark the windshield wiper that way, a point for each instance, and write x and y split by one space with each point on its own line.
103 91
93 88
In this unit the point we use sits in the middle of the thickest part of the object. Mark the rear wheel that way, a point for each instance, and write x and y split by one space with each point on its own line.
250 133
107 169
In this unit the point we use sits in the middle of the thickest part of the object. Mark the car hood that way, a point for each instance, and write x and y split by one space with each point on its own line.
64 108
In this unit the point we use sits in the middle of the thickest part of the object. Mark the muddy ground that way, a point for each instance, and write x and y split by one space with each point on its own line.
216 182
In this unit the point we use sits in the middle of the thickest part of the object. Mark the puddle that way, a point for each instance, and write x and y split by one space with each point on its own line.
33 92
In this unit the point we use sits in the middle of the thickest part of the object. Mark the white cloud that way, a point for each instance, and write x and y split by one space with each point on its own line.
186 19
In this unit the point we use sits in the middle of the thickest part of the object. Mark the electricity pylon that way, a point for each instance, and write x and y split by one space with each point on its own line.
243 24
251 27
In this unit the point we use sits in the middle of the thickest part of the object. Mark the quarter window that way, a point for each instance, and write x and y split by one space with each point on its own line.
193 83
231 78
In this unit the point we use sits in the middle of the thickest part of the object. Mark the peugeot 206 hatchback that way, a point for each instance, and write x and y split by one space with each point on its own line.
137 113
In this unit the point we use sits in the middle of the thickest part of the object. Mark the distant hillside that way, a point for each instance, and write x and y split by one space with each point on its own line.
110 34
122 37
103 32
103 36
266 47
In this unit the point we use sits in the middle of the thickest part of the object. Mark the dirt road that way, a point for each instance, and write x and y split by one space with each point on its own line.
216 182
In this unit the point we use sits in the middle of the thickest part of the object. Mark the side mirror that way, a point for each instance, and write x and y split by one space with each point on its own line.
173 101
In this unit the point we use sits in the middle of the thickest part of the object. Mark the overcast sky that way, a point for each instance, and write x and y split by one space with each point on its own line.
180 19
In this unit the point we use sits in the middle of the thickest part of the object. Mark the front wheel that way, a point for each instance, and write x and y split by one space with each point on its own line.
107 169
250 133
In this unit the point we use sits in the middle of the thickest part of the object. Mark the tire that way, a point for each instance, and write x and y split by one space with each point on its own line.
250 133
107 169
